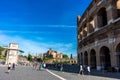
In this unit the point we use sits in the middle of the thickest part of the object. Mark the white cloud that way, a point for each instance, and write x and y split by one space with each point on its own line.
35 47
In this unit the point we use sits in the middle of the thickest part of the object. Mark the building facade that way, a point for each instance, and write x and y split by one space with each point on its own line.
98 35
12 53
53 54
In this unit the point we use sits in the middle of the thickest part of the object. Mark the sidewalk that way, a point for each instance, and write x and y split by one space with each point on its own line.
115 75
95 75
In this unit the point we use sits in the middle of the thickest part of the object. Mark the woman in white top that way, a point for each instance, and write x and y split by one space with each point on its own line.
81 70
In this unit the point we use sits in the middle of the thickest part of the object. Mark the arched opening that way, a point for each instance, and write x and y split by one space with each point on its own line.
91 25
85 58
85 30
105 58
118 55
102 17
80 35
93 59
78 58
81 58
118 7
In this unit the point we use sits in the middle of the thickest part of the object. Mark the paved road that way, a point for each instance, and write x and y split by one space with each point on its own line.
28 73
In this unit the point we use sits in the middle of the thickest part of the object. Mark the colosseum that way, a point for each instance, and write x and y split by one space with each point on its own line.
98 35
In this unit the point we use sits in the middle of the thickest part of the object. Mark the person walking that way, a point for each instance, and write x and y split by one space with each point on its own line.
61 67
88 69
33 65
81 69
36 65
44 65
40 66
13 66
9 67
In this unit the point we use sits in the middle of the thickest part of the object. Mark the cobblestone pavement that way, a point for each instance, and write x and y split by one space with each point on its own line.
25 73
28 73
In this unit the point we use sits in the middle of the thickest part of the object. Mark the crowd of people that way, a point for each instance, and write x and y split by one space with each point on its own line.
11 66
81 70
39 66
36 65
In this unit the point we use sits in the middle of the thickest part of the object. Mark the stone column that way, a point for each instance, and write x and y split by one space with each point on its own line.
96 22
98 59
113 55
83 33
7 58
88 29
111 13
111 41
87 24
113 58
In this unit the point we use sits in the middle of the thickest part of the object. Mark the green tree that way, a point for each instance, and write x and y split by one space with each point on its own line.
65 56
1 49
30 58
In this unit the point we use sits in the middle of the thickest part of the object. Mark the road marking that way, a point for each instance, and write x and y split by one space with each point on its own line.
55 75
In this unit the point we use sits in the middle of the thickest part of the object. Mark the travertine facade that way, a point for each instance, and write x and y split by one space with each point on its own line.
12 53
99 35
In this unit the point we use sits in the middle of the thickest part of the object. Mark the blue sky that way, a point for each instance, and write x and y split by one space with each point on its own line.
37 25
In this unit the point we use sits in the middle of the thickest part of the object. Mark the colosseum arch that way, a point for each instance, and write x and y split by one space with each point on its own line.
85 30
118 54
93 58
91 25
102 17
85 58
81 58
105 57
78 58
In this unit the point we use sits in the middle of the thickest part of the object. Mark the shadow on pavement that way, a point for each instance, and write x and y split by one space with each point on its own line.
75 69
